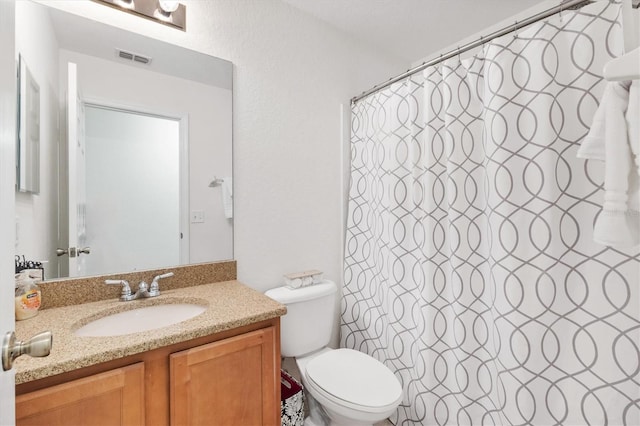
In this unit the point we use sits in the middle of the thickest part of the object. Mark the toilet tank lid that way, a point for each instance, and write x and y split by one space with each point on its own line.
287 295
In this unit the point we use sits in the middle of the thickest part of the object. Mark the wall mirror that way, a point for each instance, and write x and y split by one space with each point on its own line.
135 145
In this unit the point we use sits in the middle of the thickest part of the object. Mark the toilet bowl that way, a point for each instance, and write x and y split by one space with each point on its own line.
352 387
343 386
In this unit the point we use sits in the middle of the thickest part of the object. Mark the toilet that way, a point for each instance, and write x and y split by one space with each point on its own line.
342 386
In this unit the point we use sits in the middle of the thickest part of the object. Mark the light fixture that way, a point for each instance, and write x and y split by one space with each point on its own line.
171 13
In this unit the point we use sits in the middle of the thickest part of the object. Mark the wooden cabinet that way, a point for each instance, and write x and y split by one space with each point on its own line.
229 378
230 382
110 398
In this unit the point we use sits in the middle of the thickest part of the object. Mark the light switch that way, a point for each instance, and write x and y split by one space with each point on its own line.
197 216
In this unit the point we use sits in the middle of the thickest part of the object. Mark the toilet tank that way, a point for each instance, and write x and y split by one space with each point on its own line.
307 325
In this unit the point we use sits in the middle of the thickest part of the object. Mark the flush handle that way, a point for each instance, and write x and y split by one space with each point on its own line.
38 346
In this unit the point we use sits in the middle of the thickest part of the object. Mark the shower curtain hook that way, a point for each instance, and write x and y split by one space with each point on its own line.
459 58
515 30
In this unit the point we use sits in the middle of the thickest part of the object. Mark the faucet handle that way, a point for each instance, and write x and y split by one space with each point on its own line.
125 294
155 288
166 275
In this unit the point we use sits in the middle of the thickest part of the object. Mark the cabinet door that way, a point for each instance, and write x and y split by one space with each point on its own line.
230 382
115 397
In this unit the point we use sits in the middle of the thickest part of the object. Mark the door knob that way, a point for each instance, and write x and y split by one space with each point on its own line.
38 346
73 251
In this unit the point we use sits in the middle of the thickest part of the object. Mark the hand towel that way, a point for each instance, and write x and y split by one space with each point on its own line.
633 122
227 197
592 146
618 224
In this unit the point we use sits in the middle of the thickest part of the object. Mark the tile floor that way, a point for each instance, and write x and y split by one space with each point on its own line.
289 365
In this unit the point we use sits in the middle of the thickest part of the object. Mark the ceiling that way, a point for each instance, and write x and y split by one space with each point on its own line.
411 30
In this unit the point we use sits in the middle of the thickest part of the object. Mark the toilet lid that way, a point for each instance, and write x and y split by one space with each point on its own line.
355 377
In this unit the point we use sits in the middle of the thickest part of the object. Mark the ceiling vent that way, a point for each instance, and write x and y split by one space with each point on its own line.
129 56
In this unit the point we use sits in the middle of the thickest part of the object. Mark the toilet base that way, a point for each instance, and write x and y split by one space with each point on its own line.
319 417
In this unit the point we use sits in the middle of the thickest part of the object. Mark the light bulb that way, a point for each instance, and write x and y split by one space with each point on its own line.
125 4
168 6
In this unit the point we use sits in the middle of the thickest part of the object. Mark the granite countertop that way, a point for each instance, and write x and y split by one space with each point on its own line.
231 304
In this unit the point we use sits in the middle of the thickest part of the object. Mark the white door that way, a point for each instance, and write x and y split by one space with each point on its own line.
76 168
145 150
7 196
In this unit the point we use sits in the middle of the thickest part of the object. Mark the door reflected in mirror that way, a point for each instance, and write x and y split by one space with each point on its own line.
129 154
128 150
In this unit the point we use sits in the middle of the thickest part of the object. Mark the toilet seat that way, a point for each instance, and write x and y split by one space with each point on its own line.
355 380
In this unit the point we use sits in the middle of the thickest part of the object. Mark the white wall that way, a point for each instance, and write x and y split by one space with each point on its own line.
37 213
291 73
208 109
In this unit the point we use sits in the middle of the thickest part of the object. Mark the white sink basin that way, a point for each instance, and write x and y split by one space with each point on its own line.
140 319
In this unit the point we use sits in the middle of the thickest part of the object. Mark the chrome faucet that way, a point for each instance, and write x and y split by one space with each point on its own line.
143 288
155 288
125 294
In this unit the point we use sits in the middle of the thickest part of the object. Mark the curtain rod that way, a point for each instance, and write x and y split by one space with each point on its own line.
566 4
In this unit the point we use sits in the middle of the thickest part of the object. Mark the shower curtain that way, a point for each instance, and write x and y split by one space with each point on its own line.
470 269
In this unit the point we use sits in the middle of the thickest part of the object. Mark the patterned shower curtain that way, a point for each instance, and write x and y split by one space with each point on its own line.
470 269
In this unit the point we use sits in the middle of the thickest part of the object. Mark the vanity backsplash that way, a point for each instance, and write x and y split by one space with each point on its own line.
74 291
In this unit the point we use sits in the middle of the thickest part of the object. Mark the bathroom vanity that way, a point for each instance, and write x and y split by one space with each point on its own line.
220 367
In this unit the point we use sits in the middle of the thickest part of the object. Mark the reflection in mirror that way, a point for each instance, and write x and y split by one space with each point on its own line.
28 144
147 152
127 149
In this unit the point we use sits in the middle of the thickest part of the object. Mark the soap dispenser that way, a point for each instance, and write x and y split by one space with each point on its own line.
27 296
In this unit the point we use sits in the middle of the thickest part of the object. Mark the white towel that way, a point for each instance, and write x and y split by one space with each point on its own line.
227 197
609 139
633 122
592 146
